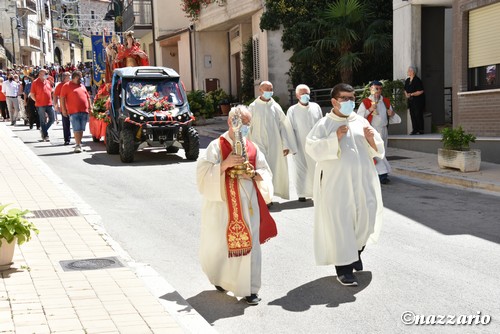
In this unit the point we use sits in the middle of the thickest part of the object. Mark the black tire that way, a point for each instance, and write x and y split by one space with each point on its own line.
112 147
191 143
96 139
172 149
127 145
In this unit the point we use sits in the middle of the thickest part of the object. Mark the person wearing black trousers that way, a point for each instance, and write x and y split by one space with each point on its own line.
31 112
414 92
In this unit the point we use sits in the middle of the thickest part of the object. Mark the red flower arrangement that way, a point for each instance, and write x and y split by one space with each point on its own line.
192 8
157 103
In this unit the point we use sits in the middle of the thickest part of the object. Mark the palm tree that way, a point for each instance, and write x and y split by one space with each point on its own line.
345 30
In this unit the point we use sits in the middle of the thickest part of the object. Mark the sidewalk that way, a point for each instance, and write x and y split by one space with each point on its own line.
47 290
417 165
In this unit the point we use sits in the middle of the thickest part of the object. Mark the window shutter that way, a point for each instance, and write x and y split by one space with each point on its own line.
484 37
256 59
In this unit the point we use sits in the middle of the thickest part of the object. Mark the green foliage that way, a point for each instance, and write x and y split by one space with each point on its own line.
457 139
201 103
192 8
394 90
310 28
14 225
247 81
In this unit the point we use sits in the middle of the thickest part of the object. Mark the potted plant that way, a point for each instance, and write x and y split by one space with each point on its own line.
13 228
456 151
221 100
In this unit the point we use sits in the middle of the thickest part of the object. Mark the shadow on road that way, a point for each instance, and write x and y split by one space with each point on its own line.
214 305
324 291
291 205
459 211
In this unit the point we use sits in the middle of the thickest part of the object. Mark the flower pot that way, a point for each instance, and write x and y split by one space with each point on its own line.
466 161
225 108
7 253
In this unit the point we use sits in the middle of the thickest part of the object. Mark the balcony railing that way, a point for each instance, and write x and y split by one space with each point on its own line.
137 15
26 6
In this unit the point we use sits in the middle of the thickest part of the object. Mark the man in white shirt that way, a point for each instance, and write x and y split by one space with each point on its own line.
11 90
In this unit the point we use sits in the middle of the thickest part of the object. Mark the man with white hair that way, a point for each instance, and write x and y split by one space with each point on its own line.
303 116
235 219
272 132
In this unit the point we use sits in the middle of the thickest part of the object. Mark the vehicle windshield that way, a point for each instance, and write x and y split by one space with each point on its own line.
137 91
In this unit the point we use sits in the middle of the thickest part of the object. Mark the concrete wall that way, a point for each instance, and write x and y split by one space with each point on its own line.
211 58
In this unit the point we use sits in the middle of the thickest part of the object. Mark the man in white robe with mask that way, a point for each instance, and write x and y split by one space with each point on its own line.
272 132
303 116
378 111
347 194
235 217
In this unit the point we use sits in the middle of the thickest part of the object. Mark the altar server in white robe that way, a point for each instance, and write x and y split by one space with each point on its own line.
232 261
303 116
272 132
378 111
347 196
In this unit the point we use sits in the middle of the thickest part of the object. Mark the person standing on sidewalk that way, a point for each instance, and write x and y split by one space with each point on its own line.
378 111
347 193
414 92
272 132
235 219
75 102
303 116
31 112
66 77
41 93
10 88
3 103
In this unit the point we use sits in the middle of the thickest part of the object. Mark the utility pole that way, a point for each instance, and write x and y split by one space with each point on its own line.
13 45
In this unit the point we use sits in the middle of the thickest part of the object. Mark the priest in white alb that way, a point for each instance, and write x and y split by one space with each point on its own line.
303 115
272 132
236 184
347 195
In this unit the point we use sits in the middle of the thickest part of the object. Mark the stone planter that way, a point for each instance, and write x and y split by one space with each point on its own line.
7 253
466 161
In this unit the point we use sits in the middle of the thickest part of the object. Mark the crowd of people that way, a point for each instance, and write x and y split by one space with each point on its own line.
339 162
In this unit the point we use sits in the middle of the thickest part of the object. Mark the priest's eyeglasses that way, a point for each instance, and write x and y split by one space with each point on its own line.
346 98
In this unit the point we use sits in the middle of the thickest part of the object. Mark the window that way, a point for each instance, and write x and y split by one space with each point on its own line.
484 77
256 59
89 54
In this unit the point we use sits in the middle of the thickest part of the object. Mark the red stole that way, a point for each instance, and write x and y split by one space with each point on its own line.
239 238
368 103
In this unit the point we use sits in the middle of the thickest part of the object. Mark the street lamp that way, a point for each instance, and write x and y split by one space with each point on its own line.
114 13
18 26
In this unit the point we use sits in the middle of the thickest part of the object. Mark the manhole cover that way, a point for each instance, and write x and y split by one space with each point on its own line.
91 264
69 212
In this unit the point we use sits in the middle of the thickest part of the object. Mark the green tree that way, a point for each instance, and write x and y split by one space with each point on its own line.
247 80
306 22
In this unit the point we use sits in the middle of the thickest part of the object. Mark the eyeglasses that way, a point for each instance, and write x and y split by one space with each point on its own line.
346 98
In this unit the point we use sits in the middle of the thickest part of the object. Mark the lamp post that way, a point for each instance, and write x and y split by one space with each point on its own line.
18 26
114 13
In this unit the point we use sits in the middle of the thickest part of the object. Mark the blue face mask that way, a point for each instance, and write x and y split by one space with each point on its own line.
267 95
304 99
244 130
347 107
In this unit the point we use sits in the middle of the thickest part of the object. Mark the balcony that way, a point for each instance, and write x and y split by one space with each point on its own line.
29 42
26 7
137 16
225 16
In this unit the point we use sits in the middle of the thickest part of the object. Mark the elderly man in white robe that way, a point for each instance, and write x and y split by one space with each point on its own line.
272 132
347 194
378 111
236 184
303 116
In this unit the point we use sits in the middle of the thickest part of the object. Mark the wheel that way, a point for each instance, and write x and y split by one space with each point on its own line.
172 149
96 139
191 143
112 147
127 145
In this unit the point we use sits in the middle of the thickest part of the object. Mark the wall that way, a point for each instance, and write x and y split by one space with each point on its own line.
477 111
211 46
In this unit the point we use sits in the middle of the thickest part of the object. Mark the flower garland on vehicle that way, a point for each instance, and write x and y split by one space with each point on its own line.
156 103
101 104
192 8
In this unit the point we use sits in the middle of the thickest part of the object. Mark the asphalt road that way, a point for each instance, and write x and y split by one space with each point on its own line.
437 255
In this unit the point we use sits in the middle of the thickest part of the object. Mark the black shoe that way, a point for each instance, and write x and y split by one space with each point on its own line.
302 199
269 205
253 299
348 280
413 133
66 142
358 265
420 132
219 288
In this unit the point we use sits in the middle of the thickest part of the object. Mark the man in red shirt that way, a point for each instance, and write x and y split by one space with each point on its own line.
66 77
75 102
41 93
